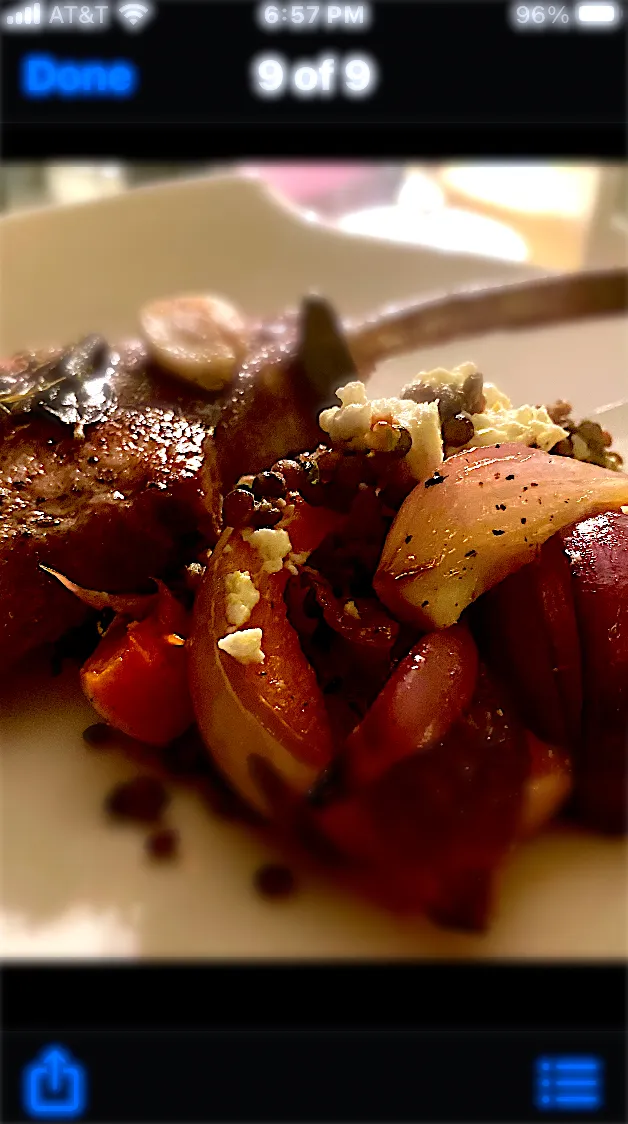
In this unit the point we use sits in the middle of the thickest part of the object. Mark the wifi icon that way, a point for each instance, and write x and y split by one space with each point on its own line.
134 14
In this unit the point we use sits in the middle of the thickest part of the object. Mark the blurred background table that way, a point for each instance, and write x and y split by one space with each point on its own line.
554 216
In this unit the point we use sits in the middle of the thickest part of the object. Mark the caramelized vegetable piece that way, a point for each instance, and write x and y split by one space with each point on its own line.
274 709
479 519
424 696
431 834
597 549
526 627
137 677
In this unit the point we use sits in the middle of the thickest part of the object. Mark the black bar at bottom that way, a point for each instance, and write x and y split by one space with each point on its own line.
329 1074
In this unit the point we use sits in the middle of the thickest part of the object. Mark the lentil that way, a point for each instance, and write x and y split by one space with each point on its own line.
186 755
473 393
238 507
560 411
328 463
98 735
142 799
269 486
450 402
404 441
292 472
592 433
418 392
265 515
163 844
457 431
564 448
275 881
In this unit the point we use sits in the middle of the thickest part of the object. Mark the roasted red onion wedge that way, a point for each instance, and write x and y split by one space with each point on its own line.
431 833
426 693
527 628
597 549
480 518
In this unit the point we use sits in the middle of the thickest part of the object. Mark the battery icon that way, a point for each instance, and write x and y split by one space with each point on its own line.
598 15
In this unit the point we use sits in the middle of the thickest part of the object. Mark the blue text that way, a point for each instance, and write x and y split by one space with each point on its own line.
44 76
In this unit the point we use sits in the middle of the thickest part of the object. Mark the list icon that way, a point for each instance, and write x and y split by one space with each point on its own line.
569 1082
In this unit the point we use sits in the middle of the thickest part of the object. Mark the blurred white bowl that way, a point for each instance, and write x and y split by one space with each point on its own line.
450 228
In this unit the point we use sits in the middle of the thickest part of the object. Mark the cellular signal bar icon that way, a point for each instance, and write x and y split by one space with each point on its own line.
29 16
569 1083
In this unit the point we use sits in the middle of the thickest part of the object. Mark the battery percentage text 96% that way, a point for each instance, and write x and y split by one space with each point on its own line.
540 15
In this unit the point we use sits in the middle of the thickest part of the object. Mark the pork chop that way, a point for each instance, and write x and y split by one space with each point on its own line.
118 498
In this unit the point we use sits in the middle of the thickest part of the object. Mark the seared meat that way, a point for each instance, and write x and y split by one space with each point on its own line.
110 510
127 500
114 484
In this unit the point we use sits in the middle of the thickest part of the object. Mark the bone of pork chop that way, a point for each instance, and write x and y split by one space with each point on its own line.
130 500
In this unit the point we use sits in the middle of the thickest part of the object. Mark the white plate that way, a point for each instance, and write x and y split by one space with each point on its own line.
74 886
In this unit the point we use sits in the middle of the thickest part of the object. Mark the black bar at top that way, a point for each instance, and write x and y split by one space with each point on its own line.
455 79
313 995
174 143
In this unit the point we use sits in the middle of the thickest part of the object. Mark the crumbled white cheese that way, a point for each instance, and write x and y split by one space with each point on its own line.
241 597
527 425
244 646
352 609
351 420
495 397
355 419
500 421
296 559
440 376
273 546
